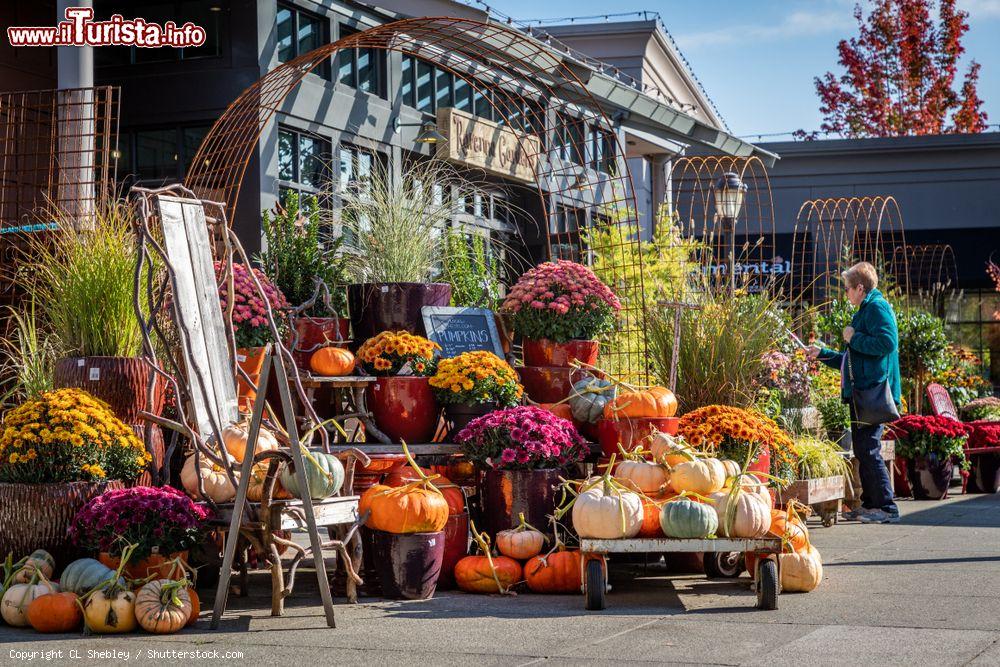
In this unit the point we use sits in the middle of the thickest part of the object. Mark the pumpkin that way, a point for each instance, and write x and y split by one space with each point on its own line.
589 397
110 610
55 612
324 475
522 542
701 476
742 513
17 599
332 362
474 574
655 402
39 561
801 572
195 607
607 510
163 606
255 490
752 484
451 491
687 519
642 476
82 576
218 486
651 517
235 437
792 530
670 450
558 409
417 507
558 572
732 468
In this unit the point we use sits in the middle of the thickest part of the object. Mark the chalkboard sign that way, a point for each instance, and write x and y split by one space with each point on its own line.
459 330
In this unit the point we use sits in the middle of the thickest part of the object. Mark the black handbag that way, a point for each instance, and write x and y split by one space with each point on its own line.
874 405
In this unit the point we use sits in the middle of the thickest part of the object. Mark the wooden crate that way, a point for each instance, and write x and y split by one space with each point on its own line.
811 491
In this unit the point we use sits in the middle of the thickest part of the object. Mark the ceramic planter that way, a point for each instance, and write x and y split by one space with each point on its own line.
984 474
155 565
368 476
929 476
549 384
408 565
404 408
631 432
312 333
378 307
544 352
251 360
456 547
460 414
506 494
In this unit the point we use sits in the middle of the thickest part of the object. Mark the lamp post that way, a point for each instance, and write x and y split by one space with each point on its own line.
728 193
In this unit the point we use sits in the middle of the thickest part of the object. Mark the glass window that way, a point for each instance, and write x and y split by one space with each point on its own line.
482 106
201 14
425 86
303 161
310 33
156 153
407 90
445 96
300 32
286 27
191 141
360 68
463 94
287 158
312 161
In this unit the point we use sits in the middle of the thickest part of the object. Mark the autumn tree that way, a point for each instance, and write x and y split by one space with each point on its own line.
900 75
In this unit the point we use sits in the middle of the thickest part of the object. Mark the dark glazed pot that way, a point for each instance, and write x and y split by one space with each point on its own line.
456 547
544 352
378 307
459 415
404 408
312 333
929 476
631 432
408 565
984 476
507 493
121 382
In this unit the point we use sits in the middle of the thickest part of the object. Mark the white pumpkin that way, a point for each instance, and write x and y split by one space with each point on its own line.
801 572
701 476
642 476
669 449
235 438
604 512
217 484
15 602
750 516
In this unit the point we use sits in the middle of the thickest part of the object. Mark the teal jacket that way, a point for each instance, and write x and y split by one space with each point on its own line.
874 348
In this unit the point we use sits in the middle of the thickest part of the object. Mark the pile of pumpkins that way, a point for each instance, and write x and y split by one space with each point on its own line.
677 494
324 472
92 595
520 558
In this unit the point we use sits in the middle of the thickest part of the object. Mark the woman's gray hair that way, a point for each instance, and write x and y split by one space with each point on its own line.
862 273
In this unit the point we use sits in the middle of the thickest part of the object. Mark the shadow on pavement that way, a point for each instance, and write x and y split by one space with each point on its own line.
973 510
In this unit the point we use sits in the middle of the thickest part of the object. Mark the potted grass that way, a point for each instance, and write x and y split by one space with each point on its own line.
930 444
474 384
310 270
394 227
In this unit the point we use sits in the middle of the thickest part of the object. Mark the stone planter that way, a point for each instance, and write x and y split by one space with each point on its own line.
378 307
505 494
404 408
929 477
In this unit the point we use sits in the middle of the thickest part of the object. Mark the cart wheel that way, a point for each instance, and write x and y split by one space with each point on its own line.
596 586
829 519
767 585
723 565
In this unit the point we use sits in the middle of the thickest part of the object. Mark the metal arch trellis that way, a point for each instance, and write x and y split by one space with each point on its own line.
505 67
933 275
754 251
833 233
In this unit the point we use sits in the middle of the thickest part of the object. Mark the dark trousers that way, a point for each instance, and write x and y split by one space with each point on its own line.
876 491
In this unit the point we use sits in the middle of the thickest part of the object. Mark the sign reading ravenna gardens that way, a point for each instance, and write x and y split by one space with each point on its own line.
487 145
459 330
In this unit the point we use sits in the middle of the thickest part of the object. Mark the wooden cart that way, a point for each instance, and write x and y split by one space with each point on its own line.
823 494
767 581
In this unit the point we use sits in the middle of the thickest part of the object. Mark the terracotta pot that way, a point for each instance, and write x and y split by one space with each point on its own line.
408 565
549 384
460 414
121 382
544 352
404 408
163 567
507 493
36 516
378 307
631 432
368 476
251 360
456 547
930 476
312 333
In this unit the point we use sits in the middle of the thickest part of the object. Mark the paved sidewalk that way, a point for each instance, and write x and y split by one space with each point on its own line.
925 591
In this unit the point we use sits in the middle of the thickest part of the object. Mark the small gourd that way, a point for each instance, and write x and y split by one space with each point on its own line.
416 507
218 486
324 475
163 606
589 396
110 610
17 599
55 612
605 509
669 449
700 476
521 542
742 513
332 362
655 402
40 561
558 572
801 571
486 573
642 476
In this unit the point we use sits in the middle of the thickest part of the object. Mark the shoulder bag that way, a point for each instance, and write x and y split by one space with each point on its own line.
873 405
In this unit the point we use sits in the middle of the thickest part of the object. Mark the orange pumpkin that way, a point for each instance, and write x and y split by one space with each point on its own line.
195 606
163 606
556 573
656 402
793 530
451 491
651 515
521 542
558 409
416 507
55 612
473 574
332 362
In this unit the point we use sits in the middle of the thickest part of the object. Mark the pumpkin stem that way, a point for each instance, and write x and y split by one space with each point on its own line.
424 480
696 496
168 592
524 525
483 541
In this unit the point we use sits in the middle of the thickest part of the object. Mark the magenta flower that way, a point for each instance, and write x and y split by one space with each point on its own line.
523 437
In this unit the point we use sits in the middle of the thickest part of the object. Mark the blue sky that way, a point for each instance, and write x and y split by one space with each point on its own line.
757 58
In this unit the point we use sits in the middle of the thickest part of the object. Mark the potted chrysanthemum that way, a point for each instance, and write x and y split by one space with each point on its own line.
522 451
930 444
473 384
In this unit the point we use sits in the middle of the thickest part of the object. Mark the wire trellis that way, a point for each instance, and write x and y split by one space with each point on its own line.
562 133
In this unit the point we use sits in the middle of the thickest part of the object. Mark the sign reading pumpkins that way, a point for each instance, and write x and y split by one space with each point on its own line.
481 143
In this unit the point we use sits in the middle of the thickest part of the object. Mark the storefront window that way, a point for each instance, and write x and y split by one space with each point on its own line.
300 32
303 161
162 155
180 12
363 69
356 165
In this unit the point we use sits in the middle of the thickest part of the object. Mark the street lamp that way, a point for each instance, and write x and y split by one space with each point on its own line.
428 133
729 192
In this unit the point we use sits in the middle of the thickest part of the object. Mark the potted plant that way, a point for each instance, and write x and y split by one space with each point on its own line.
473 384
931 445
982 409
56 453
161 522
393 227
522 452
83 280
311 270
401 401
251 327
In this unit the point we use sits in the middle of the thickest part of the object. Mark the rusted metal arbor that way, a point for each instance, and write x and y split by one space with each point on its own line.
831 234
563 134
933 275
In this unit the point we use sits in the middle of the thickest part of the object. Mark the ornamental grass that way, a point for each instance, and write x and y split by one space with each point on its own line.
476 377
398 353
67 435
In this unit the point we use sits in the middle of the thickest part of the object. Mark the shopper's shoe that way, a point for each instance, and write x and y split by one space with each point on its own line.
878 516
852 515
